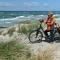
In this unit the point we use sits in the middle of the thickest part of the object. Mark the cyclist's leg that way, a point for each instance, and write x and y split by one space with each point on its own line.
51 35
46 33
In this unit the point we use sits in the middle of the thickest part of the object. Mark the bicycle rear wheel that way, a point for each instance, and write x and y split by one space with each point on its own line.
35 36
56 36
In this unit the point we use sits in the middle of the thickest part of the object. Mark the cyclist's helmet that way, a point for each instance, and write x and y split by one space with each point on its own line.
50 13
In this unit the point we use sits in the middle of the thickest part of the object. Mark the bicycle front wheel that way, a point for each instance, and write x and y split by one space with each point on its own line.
35 37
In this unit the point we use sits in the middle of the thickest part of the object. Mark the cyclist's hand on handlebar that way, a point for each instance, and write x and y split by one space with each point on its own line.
55 23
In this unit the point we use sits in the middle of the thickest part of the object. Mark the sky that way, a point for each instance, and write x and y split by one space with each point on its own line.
29 5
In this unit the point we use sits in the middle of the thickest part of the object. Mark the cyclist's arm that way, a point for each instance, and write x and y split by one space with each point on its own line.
53 21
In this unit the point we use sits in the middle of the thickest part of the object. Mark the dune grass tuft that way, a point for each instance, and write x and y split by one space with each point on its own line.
46 54
13 51
1 32
10 31
26 28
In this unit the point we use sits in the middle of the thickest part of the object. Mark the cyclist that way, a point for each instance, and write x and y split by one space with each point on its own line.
50 22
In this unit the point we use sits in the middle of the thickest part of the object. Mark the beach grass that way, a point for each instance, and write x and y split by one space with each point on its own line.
13 51
26 28
17 51
46 54
10 31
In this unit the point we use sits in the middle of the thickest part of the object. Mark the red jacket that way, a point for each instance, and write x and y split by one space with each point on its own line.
50 23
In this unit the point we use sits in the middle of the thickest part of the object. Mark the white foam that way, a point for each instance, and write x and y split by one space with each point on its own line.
7 22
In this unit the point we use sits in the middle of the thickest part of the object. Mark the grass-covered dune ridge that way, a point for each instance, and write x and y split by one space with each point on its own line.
23 27
15 45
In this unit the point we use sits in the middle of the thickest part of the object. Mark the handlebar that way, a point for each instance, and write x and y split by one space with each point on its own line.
57 24
41 20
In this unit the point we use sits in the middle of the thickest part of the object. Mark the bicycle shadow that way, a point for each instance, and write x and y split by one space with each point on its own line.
56 40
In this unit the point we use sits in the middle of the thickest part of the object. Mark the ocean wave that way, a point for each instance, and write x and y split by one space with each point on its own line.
6 19
7 22
30 17
57 15
11 21
23 17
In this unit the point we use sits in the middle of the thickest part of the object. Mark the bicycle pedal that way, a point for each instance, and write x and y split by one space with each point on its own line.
43 38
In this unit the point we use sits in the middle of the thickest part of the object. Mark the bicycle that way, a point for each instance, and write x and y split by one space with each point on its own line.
38 34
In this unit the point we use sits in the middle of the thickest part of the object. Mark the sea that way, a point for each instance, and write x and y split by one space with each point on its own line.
10 18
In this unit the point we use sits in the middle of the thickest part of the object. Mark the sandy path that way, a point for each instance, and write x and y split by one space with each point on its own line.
55 47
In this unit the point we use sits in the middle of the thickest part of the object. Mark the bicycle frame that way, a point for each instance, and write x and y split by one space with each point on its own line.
40 35
40 27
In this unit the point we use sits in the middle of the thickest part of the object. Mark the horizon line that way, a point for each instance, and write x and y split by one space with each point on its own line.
27 10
